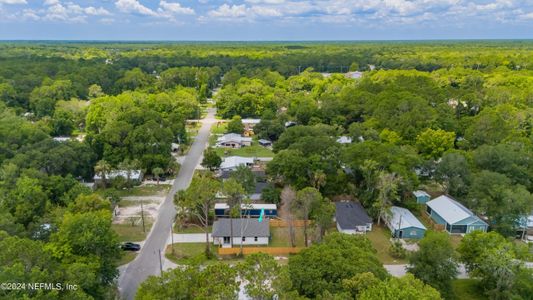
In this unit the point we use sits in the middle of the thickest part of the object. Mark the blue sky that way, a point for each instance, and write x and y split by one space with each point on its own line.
265 19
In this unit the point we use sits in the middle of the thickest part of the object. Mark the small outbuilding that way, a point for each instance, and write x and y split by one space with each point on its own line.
351 218
404 225
456 218
344 140
246 231
252 210
421 196
265 143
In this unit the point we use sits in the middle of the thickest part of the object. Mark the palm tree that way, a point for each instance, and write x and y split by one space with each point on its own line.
102 168
388 191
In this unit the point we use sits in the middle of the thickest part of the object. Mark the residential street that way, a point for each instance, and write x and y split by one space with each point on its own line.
147 262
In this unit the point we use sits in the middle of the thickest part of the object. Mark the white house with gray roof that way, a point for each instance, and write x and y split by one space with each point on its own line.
233 140
351 218
456 218
246 231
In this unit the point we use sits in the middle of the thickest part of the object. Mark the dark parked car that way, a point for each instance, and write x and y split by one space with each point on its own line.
130 247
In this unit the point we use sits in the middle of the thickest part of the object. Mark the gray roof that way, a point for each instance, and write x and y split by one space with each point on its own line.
251 227
351 214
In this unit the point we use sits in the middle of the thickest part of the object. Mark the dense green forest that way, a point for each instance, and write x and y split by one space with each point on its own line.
449 117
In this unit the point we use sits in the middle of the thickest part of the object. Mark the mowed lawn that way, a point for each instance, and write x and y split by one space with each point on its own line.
128 233
379 237
145 190
186 251
126 257
467 289
252 151
280 237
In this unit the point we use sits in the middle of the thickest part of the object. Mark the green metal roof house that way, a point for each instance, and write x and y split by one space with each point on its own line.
421 196
403 224
456 218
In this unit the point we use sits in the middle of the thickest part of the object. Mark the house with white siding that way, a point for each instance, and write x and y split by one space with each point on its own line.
246 231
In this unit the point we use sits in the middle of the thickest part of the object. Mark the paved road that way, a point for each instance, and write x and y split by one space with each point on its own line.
147 261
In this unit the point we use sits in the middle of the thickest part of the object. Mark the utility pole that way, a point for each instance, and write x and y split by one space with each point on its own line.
160 263
399 226
172 237
142 216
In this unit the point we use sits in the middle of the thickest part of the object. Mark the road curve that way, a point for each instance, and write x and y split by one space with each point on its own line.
147 261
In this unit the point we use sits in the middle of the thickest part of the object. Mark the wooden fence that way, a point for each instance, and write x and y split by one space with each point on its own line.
283 223
251 250
435 226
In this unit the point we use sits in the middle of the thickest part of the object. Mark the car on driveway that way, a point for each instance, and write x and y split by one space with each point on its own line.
130 246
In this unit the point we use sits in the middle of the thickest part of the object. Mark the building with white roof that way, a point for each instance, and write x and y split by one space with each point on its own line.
133 175
421 196
403 224
344 140
231 163
455 217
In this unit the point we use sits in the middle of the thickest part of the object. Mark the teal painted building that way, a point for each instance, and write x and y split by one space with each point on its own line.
421 196
404 225
456 218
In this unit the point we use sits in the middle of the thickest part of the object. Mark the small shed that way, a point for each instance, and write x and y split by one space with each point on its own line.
344 140
351 218
421 196
403 224
265 143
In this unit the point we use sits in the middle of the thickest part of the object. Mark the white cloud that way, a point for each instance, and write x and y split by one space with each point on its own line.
134 6
51 2
30 14
265 11
174 8
265 1
97 11
13 2
226 11
69 12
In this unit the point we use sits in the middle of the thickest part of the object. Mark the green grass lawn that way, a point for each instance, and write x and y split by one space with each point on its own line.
146 190
186 253
126 257
379 236
252 151
467 289
280 237
128 233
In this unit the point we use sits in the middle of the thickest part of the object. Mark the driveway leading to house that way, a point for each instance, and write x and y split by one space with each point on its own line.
188 238
147 261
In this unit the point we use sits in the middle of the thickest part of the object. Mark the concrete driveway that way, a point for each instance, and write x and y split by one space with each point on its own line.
188 238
